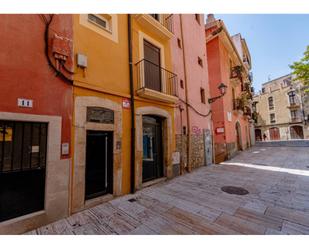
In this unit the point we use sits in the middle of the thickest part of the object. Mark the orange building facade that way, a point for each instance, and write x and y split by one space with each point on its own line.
229 63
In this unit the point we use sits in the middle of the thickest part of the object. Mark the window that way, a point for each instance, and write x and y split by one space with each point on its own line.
102 21
263 90
202 91
292 97
271 103
200 61
293 114
233 99
272 118
155 16
287 82
181 84
179 43
105 25
23 145
197 18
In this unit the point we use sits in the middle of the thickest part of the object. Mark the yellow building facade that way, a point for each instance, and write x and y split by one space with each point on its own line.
117 55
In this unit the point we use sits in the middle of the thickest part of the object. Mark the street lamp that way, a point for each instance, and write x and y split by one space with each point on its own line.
222 89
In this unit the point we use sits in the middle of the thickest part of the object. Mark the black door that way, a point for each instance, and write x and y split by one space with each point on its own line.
99 164
152 66
152 148
22 168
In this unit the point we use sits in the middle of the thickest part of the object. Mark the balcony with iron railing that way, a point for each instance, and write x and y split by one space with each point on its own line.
155 82
294 103
297 119
158 24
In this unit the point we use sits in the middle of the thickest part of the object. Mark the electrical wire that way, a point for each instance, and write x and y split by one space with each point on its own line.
46 34
196 111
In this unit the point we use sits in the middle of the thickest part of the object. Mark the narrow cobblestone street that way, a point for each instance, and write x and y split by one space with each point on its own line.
277 179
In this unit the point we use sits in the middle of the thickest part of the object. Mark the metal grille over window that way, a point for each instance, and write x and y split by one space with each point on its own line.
22 146
100 115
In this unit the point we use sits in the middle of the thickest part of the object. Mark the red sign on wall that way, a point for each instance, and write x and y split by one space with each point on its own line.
126 103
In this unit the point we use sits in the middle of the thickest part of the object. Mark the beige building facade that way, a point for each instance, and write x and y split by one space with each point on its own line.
279 110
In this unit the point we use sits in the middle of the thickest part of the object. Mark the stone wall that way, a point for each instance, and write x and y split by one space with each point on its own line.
181 146
197 153
197 157
231 150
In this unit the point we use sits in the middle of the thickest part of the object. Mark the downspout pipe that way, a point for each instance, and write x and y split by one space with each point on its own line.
186 97
132 171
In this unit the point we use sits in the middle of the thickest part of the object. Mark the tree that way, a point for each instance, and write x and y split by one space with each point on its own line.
301 68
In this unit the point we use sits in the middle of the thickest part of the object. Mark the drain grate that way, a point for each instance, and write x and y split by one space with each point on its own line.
234 190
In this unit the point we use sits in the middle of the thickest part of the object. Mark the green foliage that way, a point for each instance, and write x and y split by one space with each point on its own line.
301 68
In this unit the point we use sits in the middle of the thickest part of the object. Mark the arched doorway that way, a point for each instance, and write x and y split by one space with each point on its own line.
238 136
296 132
274 133
258 135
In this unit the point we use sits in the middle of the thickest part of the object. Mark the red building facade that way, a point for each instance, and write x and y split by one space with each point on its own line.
229 63
36 62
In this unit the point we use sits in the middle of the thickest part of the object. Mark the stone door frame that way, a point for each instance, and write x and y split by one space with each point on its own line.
166 141
80 129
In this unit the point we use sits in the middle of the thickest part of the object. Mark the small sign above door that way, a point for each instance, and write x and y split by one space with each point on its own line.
100 115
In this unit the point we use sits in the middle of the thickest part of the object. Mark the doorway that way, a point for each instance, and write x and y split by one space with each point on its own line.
296 132
23 147
152 148
274 133
99 164
258 135
238 136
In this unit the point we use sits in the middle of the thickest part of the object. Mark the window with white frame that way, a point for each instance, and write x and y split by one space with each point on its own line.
103 21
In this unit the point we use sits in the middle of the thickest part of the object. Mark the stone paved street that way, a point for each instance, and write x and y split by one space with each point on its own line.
277 179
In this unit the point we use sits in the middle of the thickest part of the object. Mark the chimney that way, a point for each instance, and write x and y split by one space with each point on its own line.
210 18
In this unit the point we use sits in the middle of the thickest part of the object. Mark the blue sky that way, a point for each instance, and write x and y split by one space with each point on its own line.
274 41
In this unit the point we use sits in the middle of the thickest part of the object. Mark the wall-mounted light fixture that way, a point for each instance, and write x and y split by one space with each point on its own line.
222 89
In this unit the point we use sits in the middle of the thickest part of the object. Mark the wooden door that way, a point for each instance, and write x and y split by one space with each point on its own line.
296 132
152 69
274 133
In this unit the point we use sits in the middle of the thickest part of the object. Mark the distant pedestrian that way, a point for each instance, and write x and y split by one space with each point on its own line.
264 137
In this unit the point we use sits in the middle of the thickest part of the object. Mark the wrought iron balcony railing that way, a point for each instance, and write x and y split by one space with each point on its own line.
238 104
165 20
154 77
296 119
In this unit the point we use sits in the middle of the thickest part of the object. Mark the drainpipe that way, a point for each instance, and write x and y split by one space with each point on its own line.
132 106
186 93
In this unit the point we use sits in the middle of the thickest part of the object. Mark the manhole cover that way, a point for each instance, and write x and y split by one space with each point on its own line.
132 200
234 190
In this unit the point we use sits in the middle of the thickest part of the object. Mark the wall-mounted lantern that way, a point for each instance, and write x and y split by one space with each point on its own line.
222 89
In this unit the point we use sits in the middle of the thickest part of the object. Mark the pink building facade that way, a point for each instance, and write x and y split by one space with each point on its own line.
229 63
192 115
